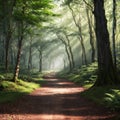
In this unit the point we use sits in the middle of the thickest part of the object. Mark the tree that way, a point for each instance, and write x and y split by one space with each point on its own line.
30 54
20 40
113 31
7 27
89 16
66 50
69 48
40 46
27 14
106 69
80 37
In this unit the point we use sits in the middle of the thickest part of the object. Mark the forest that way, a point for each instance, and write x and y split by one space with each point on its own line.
78 40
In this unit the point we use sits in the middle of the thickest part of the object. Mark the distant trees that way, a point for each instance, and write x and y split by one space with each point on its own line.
91 33
30 53
20 20
107 70
40 46
27 14
77 15
66 41
17 16
80 36
7 27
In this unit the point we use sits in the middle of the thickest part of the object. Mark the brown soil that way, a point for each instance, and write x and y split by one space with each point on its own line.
56 100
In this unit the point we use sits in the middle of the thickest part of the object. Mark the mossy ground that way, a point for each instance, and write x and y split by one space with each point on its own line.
10 91
108 96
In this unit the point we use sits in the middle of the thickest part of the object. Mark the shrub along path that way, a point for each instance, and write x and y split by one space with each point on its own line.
56 100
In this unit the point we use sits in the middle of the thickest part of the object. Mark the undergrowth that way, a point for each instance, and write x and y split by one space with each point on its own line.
85 76
10 91
108 96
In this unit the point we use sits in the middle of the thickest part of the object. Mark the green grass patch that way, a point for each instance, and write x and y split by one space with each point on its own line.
10 91
85 76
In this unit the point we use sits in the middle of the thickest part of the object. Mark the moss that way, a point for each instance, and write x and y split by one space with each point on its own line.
85 76
10 91
108 96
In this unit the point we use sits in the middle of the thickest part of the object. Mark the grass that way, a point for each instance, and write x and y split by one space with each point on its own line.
10 91
85 76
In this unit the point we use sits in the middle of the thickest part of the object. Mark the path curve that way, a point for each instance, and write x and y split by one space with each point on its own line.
56 100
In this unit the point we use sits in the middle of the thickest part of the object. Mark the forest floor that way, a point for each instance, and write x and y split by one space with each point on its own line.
57 99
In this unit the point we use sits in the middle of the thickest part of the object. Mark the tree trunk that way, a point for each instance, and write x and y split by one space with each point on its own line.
106 70
30 56
64 61
18 61
2 55
40 61
69 58
113 31
78 25
8 38
12 57
70 50
67 51
20 39
8 9
91 37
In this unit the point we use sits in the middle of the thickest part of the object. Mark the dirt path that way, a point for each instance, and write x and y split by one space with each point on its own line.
56 100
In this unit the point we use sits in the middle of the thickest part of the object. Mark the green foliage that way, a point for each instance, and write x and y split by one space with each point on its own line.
6 76
112 99
10 91
84 76
2 77
33 12
108 96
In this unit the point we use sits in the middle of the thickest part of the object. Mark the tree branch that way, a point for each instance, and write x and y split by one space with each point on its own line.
88 5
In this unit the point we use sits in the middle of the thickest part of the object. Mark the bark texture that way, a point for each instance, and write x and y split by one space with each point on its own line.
106 70
113 31
20 39
91 36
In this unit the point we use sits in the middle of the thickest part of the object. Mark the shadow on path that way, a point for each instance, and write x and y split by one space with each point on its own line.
56 100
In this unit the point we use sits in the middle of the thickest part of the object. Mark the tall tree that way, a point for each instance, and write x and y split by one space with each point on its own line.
7 26
69 48
28 13
89 17
106 69
113 31
30 54
66 50
80 37
40 58
20 41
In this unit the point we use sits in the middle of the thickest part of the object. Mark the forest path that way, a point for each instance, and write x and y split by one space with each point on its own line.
56 100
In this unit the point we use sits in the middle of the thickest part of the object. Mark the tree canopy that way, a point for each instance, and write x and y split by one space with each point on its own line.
72 31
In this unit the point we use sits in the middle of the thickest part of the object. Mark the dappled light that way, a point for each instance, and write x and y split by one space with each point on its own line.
59 59
51 103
